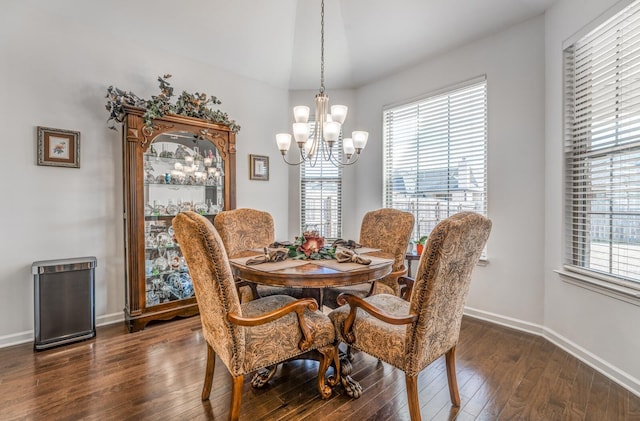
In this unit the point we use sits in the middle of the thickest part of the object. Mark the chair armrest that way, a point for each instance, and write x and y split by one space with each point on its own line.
298 306
406 286
355 302
398 273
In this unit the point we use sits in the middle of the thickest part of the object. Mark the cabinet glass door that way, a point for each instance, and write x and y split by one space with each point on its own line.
181 173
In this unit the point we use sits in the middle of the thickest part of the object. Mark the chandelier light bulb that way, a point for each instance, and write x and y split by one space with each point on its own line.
301 133
339 113
332 131
347 147
359 140
284 142
301 114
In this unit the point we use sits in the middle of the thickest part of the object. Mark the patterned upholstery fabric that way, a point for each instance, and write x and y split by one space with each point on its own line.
277 343
382 340
244 229
438 297
241 349
388 230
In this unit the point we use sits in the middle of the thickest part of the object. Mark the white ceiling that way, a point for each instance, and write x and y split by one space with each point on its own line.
278 41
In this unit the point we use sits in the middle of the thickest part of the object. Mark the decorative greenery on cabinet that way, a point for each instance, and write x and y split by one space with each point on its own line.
198 105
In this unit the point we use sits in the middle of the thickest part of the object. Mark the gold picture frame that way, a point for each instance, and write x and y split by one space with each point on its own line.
258 167
58 147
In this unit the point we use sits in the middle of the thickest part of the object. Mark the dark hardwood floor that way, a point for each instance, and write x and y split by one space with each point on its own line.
157 374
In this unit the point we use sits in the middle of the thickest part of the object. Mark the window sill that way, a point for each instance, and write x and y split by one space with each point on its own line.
614 290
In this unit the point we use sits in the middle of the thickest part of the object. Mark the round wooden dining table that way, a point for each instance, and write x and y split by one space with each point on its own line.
313 276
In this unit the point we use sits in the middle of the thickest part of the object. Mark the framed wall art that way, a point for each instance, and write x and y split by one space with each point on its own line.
58 147
258 167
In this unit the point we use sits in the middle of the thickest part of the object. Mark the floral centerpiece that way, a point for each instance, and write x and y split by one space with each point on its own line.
311 246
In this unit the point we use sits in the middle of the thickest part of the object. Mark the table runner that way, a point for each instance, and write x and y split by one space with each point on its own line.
271 266
346 267
363 250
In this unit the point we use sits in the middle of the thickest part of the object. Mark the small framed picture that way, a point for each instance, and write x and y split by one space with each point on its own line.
259 167
58 147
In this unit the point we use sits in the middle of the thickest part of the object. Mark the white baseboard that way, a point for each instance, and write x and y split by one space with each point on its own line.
16 338
504 321
27 336
612 372
621 377
109 319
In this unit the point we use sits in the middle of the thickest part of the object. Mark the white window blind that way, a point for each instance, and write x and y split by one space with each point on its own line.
435 156
602 148
321 196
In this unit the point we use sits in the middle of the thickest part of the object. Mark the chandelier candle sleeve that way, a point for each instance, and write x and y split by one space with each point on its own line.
325 129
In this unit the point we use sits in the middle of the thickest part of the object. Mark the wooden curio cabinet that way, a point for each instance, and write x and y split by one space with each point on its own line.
178 163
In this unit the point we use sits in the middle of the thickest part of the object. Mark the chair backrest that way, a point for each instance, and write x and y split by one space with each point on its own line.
243 229
389 230
214 286
441 286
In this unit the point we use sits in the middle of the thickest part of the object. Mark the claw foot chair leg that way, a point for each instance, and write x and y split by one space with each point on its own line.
450 358
262 376
412 397
351 387
208 374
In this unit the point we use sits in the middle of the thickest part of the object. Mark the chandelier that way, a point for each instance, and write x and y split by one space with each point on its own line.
317 139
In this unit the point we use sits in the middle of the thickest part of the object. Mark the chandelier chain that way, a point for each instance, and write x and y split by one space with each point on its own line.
322 47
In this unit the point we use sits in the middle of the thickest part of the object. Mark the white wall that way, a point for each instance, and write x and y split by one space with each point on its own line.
601 325
513 62
55 74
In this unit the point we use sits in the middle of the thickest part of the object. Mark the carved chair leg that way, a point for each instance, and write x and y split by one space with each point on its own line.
208 374
349 353
335 379
351 387
236 398
326 358
412 397
450 358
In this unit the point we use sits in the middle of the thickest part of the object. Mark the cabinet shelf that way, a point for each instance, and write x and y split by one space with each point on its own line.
170 217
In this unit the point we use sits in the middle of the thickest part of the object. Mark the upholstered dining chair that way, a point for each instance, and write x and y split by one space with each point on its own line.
410 335
388 230
253 335
244 229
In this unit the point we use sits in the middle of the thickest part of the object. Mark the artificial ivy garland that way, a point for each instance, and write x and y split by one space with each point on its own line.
196 105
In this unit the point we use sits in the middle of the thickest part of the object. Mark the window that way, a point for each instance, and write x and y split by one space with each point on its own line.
435 155
321 196
602 150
